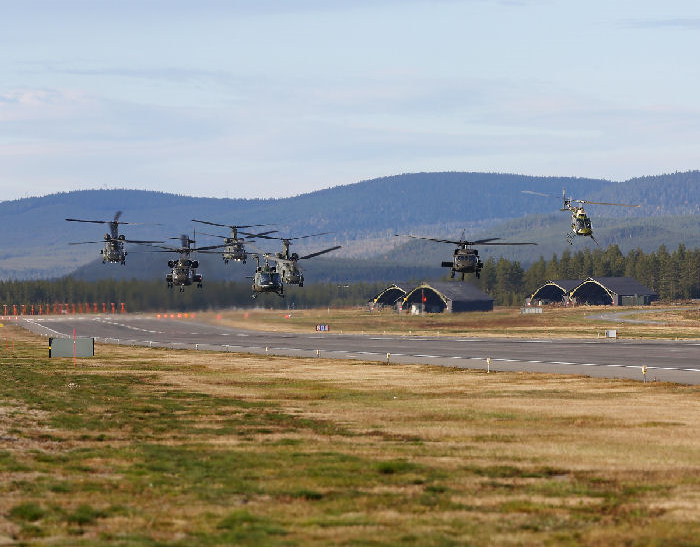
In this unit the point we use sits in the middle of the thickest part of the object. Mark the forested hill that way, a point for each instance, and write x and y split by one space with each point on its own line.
363 216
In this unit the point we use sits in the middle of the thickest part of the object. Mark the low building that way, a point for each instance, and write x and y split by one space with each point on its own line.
613 291
447 296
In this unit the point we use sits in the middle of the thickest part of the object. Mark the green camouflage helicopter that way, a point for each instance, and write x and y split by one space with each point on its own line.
234 245
465 259
580 222
113 250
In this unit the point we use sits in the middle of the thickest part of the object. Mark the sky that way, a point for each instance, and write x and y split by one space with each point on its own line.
274 98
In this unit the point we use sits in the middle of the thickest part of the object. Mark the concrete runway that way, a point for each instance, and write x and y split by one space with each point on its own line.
666 360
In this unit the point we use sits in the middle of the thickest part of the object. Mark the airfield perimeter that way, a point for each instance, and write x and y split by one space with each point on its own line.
542 349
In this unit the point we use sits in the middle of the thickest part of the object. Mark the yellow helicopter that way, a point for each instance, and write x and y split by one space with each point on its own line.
580 222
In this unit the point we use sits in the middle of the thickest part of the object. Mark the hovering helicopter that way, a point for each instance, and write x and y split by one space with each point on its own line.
266 279
113 250
184 270
287 262
580 222
234 246
465 259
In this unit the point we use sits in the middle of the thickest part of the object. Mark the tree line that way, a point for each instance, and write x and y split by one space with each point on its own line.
672 276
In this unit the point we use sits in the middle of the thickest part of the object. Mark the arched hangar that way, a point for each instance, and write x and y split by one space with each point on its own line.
446 296
605 291
388 296
556 290
612 291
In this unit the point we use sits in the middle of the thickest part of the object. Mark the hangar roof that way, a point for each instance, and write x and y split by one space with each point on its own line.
457 291
622 286
389 295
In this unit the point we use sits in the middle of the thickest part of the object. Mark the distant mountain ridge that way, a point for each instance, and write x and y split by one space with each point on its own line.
363 216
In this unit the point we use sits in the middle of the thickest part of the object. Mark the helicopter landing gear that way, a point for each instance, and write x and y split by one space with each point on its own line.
478 275
452 274
225 261
170 285
463 276
123 263
199 285
182 289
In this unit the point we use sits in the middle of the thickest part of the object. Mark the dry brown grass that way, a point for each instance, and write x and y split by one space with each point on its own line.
683 323
342 452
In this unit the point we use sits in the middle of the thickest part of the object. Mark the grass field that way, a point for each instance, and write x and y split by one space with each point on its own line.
681 323
147 447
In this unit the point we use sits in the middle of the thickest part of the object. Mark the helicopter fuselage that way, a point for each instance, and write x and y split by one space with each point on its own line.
183 273
580 223
113 250
234 250
267 280
291 274
465 260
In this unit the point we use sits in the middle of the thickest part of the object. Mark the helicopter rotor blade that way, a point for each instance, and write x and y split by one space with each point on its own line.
286 238
431 239
92 221
539 194
482 241
213 235
604 203
232 226
506 243
208 247
261 234
324 251
84 242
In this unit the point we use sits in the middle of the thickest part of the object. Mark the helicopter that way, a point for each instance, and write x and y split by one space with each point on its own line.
287 262
184 270
234 246
580 222
266 279
465 259
113 250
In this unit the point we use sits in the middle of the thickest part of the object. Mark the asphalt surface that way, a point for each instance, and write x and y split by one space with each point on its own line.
665 360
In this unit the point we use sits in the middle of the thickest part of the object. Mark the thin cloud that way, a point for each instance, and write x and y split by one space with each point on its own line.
678 23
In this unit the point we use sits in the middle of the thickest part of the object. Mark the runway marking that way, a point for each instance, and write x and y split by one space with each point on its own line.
561 363
429 356
455 357
534 361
